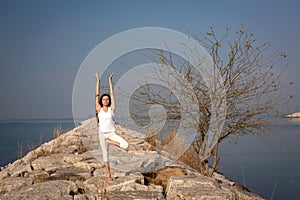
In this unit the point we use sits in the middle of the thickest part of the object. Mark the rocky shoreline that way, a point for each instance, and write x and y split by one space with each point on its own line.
67 168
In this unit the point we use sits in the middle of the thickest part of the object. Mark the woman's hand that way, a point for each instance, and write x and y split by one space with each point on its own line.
110 77
97 76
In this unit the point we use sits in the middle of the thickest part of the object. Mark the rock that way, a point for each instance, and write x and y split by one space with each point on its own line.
202 187
244 194
92 185
72 158
239 191
50 161
14 183
196 187
39 176
71 167
22 171
137 194
145 161
42 191
71 173
161 177
86 197
124 183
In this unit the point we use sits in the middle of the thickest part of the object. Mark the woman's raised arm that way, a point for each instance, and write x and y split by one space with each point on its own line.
113 105
98 107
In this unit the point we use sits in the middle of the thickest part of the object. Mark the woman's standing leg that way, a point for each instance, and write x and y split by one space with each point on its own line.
104 148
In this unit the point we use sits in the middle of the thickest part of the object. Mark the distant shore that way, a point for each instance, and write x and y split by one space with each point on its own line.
293 115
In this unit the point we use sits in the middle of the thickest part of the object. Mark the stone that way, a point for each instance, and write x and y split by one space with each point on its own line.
196 187
50 161
137 195
161 177
39 176
71 173
44 191
14 183
86 197
245 194
71 167
122 182
22 171
239 191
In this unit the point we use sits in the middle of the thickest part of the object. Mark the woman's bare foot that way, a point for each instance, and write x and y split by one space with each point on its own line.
127 148
109 179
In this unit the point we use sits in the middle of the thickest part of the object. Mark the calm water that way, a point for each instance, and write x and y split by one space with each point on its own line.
15 133
267 167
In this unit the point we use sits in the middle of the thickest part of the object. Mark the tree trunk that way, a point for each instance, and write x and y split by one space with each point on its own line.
216 159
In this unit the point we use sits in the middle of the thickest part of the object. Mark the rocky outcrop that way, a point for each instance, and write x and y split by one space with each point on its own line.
201 187
71 167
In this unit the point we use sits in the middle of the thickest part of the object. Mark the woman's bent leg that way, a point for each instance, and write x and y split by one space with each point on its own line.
108 141
120 140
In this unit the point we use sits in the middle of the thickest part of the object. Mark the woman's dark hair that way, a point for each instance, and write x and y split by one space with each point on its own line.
103 95
100 102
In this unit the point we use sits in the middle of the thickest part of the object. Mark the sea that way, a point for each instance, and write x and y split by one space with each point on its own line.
268 166
20 136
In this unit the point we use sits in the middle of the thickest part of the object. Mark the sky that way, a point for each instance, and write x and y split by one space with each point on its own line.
43 43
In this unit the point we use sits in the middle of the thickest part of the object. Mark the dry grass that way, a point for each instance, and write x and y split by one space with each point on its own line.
153 141
57 131
42 152
191 158
31 146
161 177
81 147
20 150
103 192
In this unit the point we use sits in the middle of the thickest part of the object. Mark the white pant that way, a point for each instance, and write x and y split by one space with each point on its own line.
111 136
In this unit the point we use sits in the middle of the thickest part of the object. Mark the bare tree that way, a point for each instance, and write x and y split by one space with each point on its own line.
245 71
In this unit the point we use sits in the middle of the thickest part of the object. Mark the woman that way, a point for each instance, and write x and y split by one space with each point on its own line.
105 107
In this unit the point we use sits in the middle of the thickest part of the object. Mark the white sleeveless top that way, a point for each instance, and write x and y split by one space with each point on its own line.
106 121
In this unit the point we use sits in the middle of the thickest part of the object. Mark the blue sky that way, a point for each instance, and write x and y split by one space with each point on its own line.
43 43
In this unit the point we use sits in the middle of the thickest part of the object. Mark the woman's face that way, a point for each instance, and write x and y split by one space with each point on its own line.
105 101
